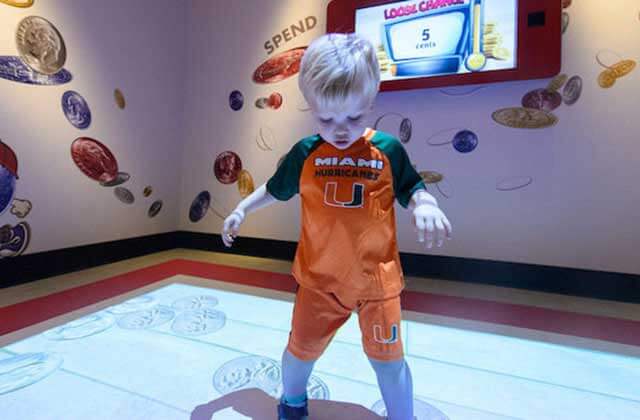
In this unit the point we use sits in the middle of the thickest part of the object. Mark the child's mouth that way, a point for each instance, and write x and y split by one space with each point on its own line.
341 142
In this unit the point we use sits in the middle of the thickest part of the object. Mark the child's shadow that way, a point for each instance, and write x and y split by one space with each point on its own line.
258 405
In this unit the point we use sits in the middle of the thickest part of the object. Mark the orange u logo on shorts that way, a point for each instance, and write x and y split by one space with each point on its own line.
377 334
331 191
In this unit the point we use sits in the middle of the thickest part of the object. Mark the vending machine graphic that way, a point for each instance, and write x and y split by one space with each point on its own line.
440 37
441 44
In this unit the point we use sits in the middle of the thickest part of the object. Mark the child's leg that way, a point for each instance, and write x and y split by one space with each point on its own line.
396 386
295 376
316 318
380 322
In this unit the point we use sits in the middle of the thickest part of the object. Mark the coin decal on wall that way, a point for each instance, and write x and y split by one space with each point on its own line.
433 178
227 166
119 98
12 68
155 208
14 240
245 183
76 109
544 99
40 45
572 90
18 3
120 179
124 195
236 100
279 67
94 159
199 206
404 129
524 118
265 139
513 183
465 141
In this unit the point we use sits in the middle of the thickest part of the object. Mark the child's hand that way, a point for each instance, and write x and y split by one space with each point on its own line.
231 226
425 217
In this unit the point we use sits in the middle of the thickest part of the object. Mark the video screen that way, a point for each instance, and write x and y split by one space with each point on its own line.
426 38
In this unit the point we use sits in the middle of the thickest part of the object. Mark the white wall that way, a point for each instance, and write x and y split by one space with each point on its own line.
137 46
580 210
177 62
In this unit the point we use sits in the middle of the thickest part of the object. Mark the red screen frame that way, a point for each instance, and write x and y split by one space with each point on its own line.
539 47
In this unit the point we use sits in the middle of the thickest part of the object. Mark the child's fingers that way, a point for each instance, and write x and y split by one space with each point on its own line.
228 231
430 232
447 225
226 226
235 227
420 228
441 231
225 240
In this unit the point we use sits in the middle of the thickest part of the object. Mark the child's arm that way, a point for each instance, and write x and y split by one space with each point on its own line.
258 199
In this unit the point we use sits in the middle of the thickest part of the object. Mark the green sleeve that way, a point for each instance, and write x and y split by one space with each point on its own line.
285 183
406 179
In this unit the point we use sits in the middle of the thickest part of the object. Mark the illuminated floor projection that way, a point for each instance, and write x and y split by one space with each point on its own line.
183 351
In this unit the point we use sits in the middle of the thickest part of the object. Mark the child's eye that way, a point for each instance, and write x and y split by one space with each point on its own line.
325 120
355 118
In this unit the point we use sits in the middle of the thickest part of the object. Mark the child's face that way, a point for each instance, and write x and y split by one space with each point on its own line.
342 126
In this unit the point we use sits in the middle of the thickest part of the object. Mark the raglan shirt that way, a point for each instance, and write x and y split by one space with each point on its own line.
348 240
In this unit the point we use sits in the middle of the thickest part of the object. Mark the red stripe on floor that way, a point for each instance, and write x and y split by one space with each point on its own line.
24 314
535 318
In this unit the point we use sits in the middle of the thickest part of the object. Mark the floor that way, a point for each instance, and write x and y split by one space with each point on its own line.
190 334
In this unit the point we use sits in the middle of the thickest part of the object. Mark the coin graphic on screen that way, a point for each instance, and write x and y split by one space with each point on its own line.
23 370
199 322
81 328
147 318
421 410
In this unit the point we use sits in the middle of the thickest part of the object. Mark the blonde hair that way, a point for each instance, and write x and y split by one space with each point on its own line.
336 66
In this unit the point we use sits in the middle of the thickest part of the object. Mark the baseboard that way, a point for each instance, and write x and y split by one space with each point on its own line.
31 267
567 281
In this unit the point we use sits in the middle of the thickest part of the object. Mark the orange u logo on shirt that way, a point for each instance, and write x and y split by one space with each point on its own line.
331 195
